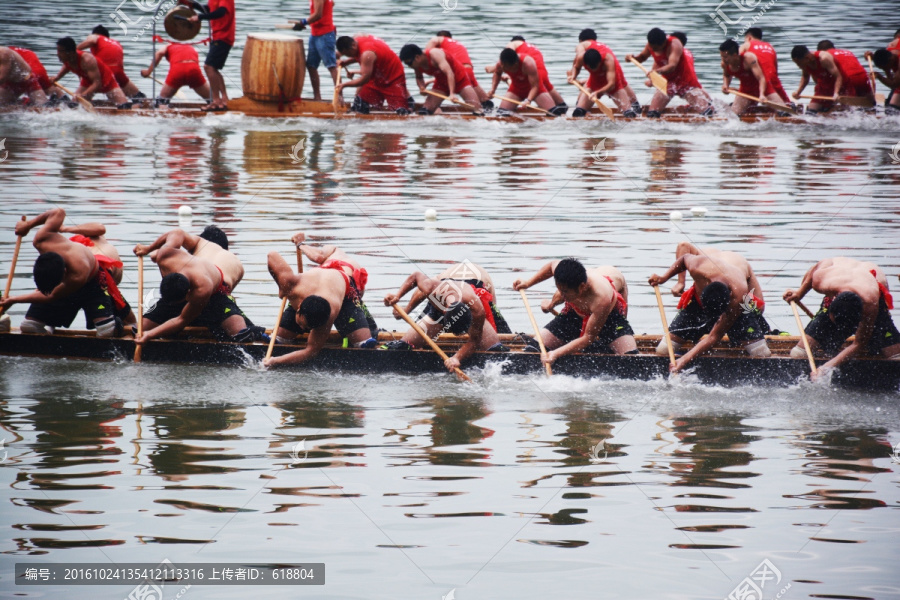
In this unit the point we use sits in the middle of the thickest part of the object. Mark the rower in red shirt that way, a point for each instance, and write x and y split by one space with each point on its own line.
95 75
449 75
110 52
37 68
888 62
767 58
184 70
894 45
381 78
745 66
672 61
836 73
607 73
445 41
526 83
221 17
17 79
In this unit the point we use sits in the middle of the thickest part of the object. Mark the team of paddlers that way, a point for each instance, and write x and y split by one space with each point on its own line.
380 80
78 269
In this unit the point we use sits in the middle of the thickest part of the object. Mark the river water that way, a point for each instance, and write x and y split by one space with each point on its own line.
416 486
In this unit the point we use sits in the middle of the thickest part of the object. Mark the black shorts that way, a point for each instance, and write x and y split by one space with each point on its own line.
353 316
460 326
692 323
93 299
831 337
456 322
219 308
218 54
567 327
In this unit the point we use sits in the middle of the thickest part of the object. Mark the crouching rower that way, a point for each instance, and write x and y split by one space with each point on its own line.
446 42
460 300
888 62
720 301
606 76
857 299
95 75
449 76
836 73
69 278
594 317
17 78
749 72
210 245
326 297
381 76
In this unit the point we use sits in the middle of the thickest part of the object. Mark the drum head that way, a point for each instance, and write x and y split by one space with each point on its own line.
177 25
273 37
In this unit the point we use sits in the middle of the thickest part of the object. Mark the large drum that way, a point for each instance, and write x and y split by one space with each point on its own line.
273 67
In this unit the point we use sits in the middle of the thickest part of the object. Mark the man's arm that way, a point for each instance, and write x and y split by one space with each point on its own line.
366 70
476 331
610 65
578 63
679 266
495 80
726 78
827 61
68 287
434 42
674 58
91 230
534 79
641 56
51 222
194 307
170 239
861 341
804 81
318 11
88 42
753 64
725 322
157 58
594 326
754 286
317 255
92 70
805 285
314 343
440 60
543 274
425 284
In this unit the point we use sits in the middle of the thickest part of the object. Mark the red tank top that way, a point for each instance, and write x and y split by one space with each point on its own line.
849 66
107 79
453 48
326 23
821 76
223 29
766 57
388 68
181 53
604 50
35 64
746 77
110 52
459 72
685 65
526 49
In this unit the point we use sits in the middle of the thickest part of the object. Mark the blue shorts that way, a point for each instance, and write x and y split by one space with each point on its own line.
322 49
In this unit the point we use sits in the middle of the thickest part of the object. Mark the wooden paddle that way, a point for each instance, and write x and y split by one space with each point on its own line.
523 105
603 108
879 98
848 100
140 317
665 322
179 94
82 101
537 331
336 99
809 355
284 301
12 267
658 81
806 310
462 376
454 101
772 105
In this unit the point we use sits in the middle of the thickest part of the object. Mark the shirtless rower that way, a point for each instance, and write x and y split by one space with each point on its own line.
768 61
449 76
381 77
460 301
93 237
446 42
17 79
208 246
184 70
322 298
857 299
753 82
725 298
594 317
110 52
888 62
69 277
836 73
606 76
672 62
95 75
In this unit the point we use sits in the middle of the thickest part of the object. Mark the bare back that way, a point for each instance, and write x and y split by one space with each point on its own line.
325 283
726 267
835 275
469 270
230 264
202 274
102 247
81 265
616 275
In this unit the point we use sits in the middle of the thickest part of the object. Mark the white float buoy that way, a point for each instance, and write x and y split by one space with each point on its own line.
431 215
185 211
676 215
699 211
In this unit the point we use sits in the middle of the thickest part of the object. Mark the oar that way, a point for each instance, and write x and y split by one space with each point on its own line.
603 108
809 355
140 319
665 322
12 267
179 94
336 99
462 376
658 81
275 328
537 331
454 101
82 101
879 98
772 105
806 310
523 105
848 100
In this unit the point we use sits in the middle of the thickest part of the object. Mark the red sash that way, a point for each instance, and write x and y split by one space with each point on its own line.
105 264
486 299
84 241
223 288
688 296
888 299
360 277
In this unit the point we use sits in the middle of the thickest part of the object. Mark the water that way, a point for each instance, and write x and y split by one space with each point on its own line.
414 486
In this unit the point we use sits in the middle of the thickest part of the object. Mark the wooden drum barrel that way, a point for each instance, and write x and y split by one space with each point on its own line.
263 83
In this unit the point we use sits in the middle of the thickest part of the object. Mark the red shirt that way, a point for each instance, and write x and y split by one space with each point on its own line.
453 48
35 64
388 69
181 53
681 76
107 78
326 23
110 52
598 78
768 62
526 49
459 72
223 28
849 66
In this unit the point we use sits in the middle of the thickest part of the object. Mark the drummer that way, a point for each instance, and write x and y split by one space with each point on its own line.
322 39
220 14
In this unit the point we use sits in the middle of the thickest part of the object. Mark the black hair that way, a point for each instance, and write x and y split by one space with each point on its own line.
656 37
409 53
444 33
825 45
174 287
569 274
215 235
755 32
67 44
101 30
517 38
509 57
882 58
682 37
730 47
344 43
49 270
715 298
587 34
799 52
316 309
846 308
592 58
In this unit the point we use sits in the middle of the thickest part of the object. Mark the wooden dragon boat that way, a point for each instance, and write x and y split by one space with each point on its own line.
723 366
